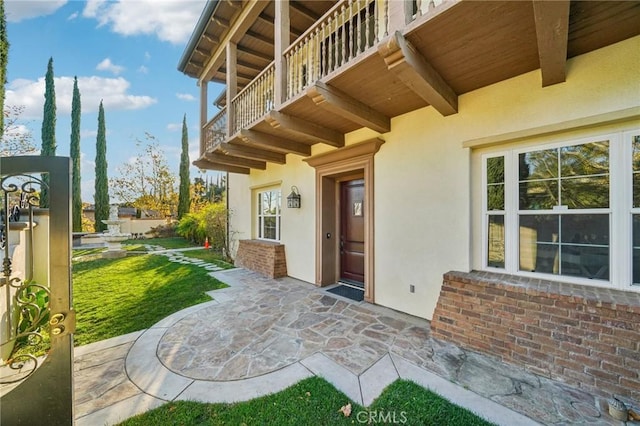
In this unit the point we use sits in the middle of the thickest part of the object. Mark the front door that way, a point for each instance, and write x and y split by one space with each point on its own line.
352 232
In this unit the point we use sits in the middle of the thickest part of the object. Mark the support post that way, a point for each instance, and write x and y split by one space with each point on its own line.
281 30
232 84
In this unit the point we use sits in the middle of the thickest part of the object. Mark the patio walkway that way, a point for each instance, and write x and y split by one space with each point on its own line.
262 335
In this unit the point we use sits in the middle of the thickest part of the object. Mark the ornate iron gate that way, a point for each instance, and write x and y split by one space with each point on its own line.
35 292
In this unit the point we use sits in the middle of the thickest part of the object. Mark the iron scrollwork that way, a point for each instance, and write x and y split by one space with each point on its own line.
26 302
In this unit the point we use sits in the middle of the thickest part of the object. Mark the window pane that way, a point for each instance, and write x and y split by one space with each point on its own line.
495 170
585 192
495 197
260 233
539 243
270 228
636 154
636 190
269 203
538 195
495 250
538 164
585 261
588 159
590 229
636 249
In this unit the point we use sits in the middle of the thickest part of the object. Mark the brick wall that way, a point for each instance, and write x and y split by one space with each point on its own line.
264 257
587 337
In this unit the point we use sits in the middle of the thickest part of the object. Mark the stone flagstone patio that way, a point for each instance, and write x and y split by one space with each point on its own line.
260 335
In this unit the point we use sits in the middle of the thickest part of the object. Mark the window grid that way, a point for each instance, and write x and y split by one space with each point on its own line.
269 219
592 191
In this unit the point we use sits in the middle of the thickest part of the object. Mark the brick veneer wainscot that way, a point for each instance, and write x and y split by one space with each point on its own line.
587 337
264 257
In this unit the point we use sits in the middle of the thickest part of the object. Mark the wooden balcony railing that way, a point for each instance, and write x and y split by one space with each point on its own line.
255 100
215 131
345 31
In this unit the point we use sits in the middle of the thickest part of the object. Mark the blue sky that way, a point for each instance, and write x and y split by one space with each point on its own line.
124 52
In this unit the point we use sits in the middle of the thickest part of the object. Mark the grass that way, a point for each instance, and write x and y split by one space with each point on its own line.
314 401
168 243
208 256
118 296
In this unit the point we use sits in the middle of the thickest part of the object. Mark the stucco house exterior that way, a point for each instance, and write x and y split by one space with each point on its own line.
473 163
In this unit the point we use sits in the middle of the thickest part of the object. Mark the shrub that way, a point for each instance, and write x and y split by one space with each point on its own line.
163 231
210 222
192 228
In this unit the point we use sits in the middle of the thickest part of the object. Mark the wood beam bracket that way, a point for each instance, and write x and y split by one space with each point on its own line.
552 31
203 163
221 158
416 73
313 131
274 143
338 102
237 149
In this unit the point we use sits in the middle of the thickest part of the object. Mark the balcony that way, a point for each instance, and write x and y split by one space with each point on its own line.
363 62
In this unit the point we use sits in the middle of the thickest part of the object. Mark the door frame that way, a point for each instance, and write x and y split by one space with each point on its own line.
332 167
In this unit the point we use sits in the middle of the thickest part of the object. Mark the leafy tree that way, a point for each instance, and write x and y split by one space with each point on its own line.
48 129
101 195
76 194
4 59
183 198
16 138
147 183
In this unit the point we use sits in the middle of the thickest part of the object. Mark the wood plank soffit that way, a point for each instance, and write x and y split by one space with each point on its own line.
552 32
204 164
318 133
221 158
239 150
338 102
416 73
368 147
275 143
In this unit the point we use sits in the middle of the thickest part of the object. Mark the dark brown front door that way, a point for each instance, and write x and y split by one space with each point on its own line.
352 231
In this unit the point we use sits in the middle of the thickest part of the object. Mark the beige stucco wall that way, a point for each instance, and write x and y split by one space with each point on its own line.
425 220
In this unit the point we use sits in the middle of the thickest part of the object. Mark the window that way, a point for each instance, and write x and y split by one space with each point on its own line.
560 210
635 210
269 215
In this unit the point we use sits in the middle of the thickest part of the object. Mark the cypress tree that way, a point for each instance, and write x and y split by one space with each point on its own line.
76 195
4 59
48 129
183 196
101 196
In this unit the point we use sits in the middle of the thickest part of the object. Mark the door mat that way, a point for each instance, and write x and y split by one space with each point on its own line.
348 292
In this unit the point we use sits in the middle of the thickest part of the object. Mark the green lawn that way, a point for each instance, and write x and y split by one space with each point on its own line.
168 243
117 296
314 401
208 256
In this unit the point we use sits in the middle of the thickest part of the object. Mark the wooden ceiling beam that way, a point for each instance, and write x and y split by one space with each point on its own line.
313 131
204 164
259 37
304 11
416 73
275 143
255 54
339 103
219 157
239 149
552 31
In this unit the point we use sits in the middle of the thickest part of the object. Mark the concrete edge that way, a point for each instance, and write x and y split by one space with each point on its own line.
107 343
246 389
343 380
375 379
177 316
120 411
483 407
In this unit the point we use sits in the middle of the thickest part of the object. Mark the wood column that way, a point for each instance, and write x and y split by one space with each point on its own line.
204 101
281 35
232 83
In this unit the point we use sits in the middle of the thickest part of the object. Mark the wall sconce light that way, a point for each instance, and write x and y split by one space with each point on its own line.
293 199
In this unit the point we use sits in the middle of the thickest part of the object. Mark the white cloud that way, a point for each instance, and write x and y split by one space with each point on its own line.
143 70
107 65
84 134
114 92
169 20
185 96
174 127
73 16
18 10
147 56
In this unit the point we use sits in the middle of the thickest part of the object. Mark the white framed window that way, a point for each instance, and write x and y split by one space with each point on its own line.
568 211
268 214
